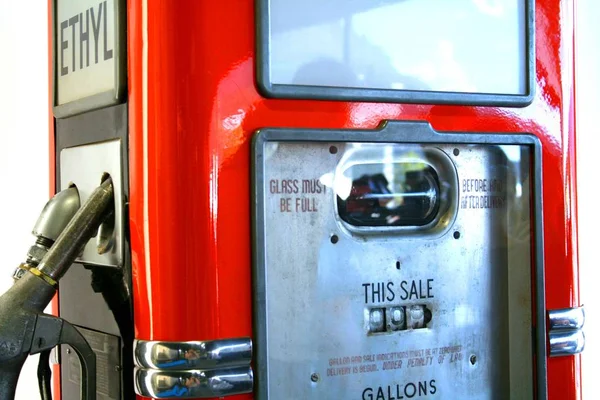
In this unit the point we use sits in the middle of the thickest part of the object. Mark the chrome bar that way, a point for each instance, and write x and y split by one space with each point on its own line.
566 342
566 318
565 331
193 355
193 383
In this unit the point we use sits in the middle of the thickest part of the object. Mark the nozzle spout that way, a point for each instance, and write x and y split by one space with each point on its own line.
55 216
78 232
57 213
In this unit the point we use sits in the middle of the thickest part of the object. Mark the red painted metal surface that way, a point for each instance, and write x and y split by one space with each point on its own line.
52 172
190 132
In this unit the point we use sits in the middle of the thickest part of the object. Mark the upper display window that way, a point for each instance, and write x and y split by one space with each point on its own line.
417 51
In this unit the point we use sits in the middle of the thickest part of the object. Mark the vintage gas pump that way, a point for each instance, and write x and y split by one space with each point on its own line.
368 200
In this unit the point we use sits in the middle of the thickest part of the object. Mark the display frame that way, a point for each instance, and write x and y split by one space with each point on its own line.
401 132
108 98
293 91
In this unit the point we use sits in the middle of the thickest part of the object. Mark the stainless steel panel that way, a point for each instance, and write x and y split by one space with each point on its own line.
84 166
108 368
345 309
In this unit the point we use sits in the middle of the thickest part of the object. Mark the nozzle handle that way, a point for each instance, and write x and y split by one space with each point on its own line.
9 375
87 359
19 310
51 331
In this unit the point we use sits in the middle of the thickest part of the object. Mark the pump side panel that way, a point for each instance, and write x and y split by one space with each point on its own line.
194 107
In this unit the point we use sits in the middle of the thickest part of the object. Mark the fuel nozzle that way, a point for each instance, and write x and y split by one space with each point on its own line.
55 216
24 328
80 229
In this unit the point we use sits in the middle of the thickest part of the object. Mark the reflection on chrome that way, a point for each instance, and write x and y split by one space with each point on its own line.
565 331
566 343
193 383
193 355
195 369
566 318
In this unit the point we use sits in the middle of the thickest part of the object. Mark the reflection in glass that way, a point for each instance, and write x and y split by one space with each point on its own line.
410 198
465 46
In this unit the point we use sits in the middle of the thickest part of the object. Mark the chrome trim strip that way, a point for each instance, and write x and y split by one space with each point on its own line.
193 383
566 343
566 318
193 355
565 331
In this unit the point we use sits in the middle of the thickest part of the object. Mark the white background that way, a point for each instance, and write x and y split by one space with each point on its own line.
24 155
24 185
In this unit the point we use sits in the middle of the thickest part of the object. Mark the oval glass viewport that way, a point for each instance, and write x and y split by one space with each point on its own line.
390 194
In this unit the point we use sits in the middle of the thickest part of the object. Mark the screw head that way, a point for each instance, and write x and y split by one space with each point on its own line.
314 377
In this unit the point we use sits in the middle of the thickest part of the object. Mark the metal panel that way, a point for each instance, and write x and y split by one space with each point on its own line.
84 166
99 298
347 313
108 352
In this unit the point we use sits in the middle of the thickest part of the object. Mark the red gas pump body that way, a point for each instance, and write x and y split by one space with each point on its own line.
193 109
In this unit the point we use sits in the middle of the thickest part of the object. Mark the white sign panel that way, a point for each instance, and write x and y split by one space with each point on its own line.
86 49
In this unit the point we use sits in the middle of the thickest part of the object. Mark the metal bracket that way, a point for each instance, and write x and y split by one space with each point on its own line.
84 166
565 331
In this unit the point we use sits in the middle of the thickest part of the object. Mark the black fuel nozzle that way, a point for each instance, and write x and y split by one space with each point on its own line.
24 328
